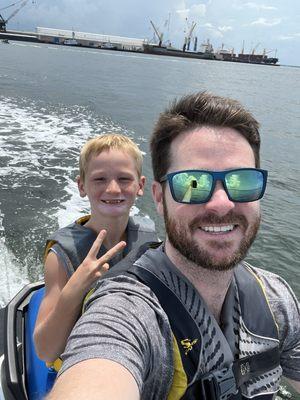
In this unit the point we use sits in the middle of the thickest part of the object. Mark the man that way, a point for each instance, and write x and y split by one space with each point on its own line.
236 327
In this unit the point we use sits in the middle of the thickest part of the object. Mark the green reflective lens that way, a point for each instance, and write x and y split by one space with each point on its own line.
197 186
192 187
244 185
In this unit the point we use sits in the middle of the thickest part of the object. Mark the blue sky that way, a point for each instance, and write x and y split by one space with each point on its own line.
265 24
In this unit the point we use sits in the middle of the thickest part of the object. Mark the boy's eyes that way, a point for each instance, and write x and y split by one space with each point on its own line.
121 178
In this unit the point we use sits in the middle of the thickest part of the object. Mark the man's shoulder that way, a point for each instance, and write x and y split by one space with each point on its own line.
124 322
127 288
276 288
280 296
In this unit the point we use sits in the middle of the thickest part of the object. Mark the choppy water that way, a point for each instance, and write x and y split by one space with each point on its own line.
52 99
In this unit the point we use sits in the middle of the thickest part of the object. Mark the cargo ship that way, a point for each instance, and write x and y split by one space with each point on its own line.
248 58
208 53
173 52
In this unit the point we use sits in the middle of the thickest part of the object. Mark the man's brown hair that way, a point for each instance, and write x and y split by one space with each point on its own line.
196 111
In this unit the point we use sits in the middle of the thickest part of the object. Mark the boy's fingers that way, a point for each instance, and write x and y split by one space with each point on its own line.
97 243
105 267
112 252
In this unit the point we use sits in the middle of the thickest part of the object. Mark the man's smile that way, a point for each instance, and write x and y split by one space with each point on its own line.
218 229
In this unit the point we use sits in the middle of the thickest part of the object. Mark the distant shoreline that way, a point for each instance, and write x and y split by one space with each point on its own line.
148 49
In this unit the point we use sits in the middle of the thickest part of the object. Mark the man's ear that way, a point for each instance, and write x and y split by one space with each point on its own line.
80 185
142 182
157 194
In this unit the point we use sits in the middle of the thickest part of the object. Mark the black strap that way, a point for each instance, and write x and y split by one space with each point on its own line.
182 324
224 384
257 364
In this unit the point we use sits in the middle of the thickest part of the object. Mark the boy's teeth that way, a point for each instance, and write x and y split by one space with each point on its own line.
112 201
226 228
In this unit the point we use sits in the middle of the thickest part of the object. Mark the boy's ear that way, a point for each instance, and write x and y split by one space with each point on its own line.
80 185
142 183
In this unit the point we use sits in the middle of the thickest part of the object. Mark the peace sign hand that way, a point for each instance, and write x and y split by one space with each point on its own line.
92 268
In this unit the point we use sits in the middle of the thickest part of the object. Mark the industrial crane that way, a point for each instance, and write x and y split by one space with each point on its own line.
187 40
158 34
254 49
3 21
265 52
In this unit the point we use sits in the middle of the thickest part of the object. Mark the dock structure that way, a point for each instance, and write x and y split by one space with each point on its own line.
17 35
122 43
75 38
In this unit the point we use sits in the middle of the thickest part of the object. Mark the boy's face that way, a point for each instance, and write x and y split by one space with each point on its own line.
111 184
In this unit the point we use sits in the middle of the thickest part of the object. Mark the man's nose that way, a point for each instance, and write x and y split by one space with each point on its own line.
219 202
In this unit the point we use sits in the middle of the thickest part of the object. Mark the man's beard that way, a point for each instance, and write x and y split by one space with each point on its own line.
180 237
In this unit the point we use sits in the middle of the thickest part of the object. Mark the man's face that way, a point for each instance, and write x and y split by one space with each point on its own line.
215 235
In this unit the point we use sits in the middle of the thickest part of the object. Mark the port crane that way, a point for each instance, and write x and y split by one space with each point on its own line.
255 48
187 40
158 34
265 52
3 22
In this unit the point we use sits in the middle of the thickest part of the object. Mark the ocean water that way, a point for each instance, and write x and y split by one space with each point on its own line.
54 98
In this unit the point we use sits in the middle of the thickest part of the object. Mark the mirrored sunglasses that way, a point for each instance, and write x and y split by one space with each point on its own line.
242 185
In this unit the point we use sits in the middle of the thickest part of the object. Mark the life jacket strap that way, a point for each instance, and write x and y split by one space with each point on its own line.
252 366
225 383
215 385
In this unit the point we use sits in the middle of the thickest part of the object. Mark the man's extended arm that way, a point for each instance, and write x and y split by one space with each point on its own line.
95 379
119 348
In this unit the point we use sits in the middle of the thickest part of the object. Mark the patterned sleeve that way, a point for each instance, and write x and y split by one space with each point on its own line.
286 310
124 323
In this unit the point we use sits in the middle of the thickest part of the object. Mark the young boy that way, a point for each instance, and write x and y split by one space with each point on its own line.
77 255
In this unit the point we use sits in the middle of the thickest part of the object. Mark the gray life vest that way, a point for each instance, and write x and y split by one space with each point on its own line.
73 242
238 359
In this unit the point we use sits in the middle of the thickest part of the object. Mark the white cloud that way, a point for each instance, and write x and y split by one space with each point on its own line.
198 10
264 22
254 6
185 11
259 6
224 28
208 25
216 32
291 36
183 14
194 11
287 37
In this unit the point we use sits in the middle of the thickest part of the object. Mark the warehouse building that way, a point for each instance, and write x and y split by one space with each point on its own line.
74 38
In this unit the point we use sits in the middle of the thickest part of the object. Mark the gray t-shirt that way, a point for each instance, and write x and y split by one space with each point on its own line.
125 323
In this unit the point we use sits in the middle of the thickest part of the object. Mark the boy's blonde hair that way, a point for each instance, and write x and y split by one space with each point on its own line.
109 141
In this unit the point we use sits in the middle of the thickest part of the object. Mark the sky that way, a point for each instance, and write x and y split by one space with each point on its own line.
273 25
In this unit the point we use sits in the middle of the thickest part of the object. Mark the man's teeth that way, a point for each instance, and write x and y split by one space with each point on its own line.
112 201
226 228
